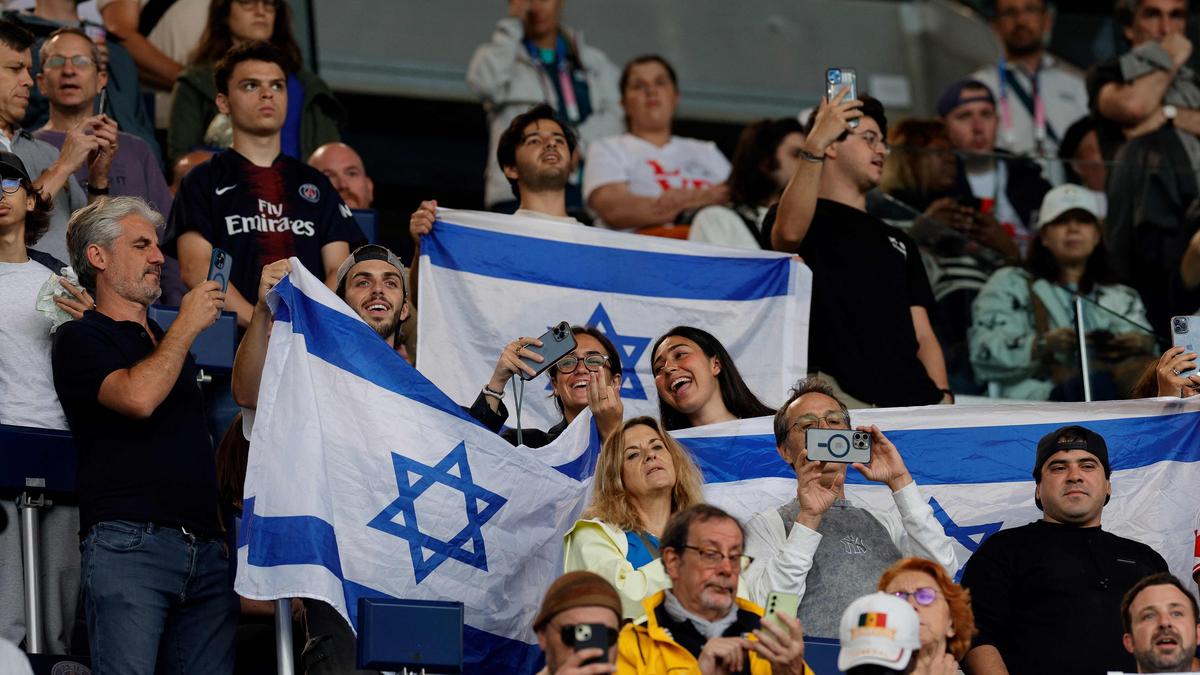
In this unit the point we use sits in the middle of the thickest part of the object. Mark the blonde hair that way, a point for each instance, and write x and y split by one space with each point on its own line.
610 501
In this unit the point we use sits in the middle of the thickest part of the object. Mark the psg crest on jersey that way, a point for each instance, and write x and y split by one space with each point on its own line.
310 193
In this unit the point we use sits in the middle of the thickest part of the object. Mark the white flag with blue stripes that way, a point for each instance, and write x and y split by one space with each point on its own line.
365 480
974 467
487 279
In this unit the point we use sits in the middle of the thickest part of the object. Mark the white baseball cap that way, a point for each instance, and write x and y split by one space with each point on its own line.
1065 198
880 629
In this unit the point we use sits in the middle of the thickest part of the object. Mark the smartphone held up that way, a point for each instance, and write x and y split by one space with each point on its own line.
837 79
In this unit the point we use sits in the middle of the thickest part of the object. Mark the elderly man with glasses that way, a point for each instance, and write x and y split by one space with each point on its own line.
821 546
699 624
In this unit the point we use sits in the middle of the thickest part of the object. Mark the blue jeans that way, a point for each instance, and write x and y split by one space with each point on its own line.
157 601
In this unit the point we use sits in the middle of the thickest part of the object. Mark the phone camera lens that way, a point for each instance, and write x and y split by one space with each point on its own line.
1180 325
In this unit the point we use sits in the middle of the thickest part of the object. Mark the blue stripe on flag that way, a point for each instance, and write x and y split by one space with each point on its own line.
351 345
598 268
999 454
307 540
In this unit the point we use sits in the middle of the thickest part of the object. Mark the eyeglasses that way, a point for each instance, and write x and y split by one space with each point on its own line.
873 139
249 4
593 362
711 557
10 185
79 61
924 596
834 420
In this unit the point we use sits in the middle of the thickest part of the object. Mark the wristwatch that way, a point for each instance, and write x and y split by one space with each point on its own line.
98 191
1170 112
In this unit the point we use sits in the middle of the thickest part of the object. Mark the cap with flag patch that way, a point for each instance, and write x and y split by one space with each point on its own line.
878 629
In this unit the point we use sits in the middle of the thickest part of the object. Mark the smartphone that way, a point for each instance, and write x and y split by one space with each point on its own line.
781 601
218 268
837 79
583 636
845 446
556 343
1185 332
101 102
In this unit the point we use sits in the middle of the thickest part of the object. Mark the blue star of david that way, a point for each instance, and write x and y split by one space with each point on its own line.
481 504
963 535
631 349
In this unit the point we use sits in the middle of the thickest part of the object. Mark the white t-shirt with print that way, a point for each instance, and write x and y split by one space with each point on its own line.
650 169
27 395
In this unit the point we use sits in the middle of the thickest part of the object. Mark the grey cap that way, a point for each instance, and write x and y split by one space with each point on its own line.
365 253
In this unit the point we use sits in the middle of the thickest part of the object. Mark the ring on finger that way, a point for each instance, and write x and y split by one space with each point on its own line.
1176 371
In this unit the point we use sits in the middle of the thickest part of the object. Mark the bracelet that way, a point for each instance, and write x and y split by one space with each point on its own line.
99 191
498 395
809 157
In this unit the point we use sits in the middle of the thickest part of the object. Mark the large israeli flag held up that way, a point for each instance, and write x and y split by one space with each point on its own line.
487 279
974 467
366 480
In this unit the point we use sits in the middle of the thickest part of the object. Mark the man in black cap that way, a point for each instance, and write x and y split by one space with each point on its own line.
372 281
1047 595
1008 188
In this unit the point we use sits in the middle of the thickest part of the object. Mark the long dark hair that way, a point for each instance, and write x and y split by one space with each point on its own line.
750 180
37 219
1042 264
217 39
738 398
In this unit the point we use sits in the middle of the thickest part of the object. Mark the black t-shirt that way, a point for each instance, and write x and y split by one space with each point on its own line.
866 277
261 214
1048 597
1108 132
160 469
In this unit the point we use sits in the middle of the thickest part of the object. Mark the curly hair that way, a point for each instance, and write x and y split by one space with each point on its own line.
610 501
962 619
37 219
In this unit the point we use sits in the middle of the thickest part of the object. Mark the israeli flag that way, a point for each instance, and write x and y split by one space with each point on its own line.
365 480
487 279
974 466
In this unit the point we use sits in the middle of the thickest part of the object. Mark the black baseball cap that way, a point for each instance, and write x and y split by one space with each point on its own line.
11 166
1087 440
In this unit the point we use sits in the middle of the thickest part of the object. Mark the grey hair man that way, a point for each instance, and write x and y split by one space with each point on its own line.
821 546
147 475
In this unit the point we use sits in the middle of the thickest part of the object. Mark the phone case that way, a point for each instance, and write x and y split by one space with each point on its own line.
556 343
218 268
588 636
1185 332
845 446
837 79
780 601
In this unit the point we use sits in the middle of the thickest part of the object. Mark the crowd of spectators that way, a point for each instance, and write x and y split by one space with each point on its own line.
948 253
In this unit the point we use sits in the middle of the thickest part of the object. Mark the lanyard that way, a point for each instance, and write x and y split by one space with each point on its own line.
1036 107
566 84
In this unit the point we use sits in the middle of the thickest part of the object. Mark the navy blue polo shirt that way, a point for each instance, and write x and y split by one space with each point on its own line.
160 469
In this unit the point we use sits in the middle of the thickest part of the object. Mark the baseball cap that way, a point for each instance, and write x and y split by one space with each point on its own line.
577 589
878 629
952 97
1066 198
1090 441
365 253
11 166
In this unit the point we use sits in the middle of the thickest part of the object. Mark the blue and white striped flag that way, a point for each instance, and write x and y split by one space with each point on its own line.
366 480
974 466
487 279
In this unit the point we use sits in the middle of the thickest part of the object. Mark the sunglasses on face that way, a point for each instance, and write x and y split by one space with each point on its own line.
10 185
924 596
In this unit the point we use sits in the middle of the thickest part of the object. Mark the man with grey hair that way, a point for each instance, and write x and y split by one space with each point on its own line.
157 588
821 546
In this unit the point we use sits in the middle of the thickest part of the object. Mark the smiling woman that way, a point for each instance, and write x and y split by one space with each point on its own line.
643 477
698 382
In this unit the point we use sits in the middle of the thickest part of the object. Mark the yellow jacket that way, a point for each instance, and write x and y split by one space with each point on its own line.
645 648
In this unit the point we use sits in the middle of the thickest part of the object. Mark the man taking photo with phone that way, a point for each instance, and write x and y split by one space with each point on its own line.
870 294
819 545
580 612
